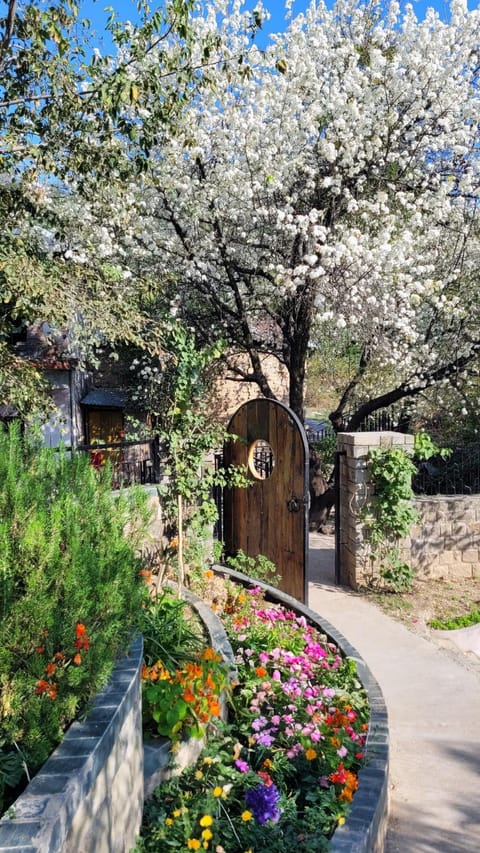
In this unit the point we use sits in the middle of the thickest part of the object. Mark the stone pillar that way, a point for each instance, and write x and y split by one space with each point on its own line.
355 490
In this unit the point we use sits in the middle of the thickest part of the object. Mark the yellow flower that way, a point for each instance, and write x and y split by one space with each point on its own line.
310 754
193 844
208 760
206 820
218 791
207 834
198 774
246 815
168 821
341 820
177 812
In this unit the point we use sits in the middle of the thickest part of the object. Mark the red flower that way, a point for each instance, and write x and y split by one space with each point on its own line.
40 650
42 685
266 778
82 641
50 668
340 775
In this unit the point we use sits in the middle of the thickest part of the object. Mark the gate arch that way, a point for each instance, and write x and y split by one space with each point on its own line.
270 516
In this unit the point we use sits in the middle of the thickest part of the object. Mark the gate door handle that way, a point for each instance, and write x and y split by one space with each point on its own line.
293 505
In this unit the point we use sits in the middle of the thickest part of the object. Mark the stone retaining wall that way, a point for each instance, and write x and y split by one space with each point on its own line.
88 796
446 540
444 543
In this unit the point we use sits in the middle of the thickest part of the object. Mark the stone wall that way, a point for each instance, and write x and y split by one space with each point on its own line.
88 796
445 542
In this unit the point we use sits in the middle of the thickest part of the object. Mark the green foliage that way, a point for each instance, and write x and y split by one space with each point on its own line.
182 702
260 567
390 515
70 589
168 634
424 448
188 435
472 618
326 447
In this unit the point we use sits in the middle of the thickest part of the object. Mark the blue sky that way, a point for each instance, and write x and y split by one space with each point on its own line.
127 10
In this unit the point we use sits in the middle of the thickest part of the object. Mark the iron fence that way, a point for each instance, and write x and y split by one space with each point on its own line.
459 474
130 461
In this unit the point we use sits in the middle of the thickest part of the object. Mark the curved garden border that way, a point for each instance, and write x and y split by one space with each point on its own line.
88 796
157 756
366 825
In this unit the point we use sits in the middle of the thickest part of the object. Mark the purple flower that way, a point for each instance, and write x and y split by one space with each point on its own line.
263 801
242 765
265 739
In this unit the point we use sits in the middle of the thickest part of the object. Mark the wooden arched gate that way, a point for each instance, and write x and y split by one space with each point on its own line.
270 516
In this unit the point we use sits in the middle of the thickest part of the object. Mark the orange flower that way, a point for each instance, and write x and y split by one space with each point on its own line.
42 685
214 708
146 575
188 696
261 671
77 659
346 796
310 754
59 656
210 654
80 629
208 574
50 668
52 691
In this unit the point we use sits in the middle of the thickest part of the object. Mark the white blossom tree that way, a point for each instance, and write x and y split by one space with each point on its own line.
333 177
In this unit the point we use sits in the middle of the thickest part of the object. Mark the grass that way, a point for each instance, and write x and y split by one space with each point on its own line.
465 621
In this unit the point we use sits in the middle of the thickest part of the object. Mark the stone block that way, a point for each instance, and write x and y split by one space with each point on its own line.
470 556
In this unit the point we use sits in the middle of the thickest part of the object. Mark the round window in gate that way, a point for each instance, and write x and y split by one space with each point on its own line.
261 459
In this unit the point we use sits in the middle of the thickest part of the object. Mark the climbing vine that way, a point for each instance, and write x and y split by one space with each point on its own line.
390 514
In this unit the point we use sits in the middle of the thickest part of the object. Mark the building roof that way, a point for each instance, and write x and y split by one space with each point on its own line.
105 398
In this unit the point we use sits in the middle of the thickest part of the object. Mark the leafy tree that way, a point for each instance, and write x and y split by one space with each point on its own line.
74 124
333 179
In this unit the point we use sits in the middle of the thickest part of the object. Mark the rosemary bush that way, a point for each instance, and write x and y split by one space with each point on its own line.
70 592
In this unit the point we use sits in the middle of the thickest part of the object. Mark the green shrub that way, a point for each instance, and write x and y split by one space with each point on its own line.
259 567
70 591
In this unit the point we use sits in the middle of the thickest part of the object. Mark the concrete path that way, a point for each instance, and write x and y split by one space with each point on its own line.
432 692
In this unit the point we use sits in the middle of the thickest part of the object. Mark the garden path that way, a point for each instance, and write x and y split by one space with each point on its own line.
433 700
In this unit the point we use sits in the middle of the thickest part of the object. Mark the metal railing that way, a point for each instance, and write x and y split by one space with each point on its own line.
459 474
130 461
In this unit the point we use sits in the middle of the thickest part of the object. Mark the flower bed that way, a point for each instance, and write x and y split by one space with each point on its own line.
284 771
